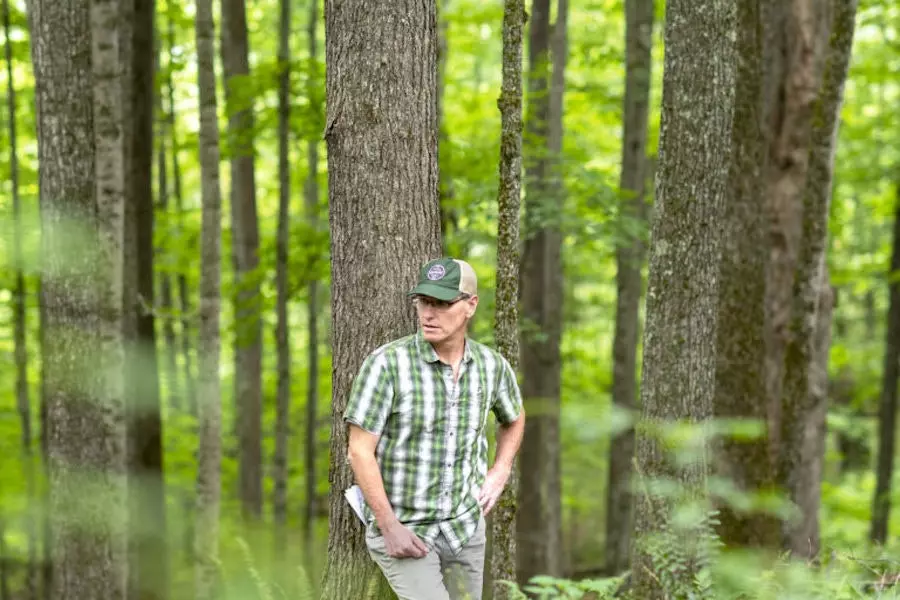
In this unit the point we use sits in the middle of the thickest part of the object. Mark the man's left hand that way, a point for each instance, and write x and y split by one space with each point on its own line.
493 486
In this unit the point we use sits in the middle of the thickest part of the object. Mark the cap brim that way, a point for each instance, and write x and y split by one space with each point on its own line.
434 291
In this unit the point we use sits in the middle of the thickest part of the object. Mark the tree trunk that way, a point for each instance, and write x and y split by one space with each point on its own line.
539 523
209 409
149 571
245 253
506 317
449 213
79 99
804 398
380 94
23 403
282 339
183 297
679 369
630 256
311 192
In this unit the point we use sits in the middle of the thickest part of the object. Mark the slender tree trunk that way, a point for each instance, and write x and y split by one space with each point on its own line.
539 526
679 369
379 211
149 571
887 414
311 192
804 398
4 575
209 409
23 402
506 317
449 213
629 257
245 253
183 296
283 399
80 98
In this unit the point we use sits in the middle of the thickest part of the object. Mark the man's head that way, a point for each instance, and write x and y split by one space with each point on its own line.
446 296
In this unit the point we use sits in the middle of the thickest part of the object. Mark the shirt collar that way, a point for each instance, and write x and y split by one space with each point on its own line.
426 350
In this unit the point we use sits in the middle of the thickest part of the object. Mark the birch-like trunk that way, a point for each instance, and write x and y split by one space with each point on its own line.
679 368
209 408
80 133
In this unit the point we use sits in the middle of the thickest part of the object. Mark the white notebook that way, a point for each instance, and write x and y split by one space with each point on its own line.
355 498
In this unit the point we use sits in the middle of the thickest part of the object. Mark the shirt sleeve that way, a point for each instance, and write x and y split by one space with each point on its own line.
508 401
371 395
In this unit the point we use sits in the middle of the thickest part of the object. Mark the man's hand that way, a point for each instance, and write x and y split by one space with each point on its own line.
400 542
493 486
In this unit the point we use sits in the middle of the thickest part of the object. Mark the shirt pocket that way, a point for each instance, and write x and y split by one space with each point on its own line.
412 419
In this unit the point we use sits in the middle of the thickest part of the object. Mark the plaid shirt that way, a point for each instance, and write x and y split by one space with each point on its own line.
433 449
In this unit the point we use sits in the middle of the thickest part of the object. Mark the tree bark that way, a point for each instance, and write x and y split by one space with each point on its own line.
630 256
209 452
679 369
282 339
449 213
804 400
506 317
380 96
245 254
80 147
311 191
887 414
539 527
149 570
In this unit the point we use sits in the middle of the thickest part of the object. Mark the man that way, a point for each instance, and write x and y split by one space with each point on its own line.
417 416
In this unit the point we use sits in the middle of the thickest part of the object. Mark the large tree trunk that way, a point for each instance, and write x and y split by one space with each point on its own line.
149 570
804 400
380 94
311 193
539 521
887 415
630 254
506 318
245 254
282 339
209 409
679 369
740 391
80 148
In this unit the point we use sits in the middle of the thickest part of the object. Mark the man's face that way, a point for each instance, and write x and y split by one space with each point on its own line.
442 320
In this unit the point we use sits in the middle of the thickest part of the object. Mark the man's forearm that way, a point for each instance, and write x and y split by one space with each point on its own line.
509 438
368 477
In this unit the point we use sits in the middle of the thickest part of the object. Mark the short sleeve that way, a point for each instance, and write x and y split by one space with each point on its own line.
508 401
371 395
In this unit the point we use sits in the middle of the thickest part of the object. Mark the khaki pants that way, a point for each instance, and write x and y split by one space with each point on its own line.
439 575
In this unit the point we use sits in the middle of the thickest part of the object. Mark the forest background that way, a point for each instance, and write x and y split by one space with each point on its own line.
291 495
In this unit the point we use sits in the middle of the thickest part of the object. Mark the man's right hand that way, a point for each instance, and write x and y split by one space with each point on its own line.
401 542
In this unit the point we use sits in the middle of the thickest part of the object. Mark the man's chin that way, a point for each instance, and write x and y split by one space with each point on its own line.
432 335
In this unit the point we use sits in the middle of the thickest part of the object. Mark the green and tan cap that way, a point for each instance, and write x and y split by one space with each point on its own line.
446 279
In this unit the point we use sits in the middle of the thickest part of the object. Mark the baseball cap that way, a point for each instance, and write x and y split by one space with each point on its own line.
445 279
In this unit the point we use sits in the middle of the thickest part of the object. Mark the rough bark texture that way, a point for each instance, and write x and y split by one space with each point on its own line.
209 409
282 339
382 141
804 398
539 528
503 517
887 415
679 367
245 255
79 98
630 255
740 388
311 194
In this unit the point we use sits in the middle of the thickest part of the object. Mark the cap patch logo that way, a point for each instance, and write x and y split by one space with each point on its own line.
436 272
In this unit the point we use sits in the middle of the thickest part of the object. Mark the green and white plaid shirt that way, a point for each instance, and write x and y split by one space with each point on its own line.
433 448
